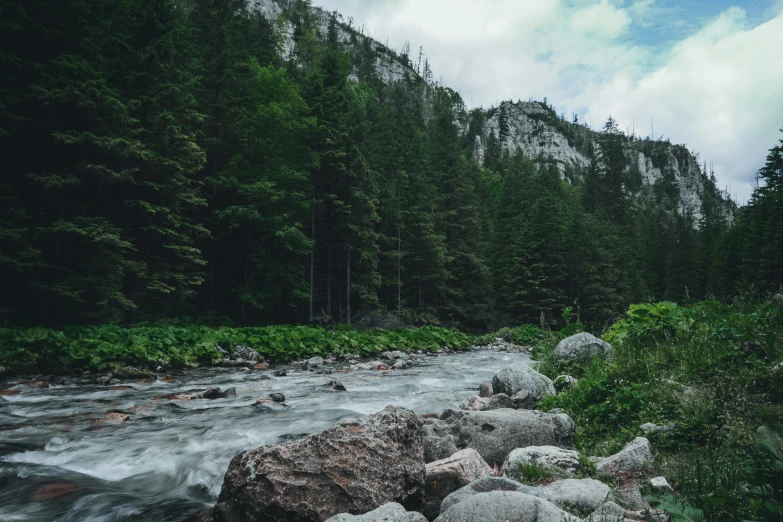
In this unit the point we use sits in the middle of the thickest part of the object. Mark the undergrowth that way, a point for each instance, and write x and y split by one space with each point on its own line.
109 346
704 374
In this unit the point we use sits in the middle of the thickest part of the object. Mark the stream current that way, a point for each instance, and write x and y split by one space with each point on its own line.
62 460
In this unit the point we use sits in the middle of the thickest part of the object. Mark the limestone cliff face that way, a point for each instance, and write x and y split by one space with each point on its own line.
536 130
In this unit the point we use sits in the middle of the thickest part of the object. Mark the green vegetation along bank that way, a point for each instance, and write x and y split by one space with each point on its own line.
706 382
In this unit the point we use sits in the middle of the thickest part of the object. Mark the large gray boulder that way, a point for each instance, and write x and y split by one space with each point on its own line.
522 378
557 460
631 460
448 475
483 485
354 466
507 506
581 347
439 442
391 512
496 433
578 496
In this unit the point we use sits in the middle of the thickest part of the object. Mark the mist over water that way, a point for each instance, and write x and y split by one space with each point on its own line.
59 462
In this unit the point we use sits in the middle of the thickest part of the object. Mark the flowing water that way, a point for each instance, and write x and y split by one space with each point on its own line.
60 459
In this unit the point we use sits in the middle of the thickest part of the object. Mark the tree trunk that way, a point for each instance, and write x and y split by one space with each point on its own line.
312 256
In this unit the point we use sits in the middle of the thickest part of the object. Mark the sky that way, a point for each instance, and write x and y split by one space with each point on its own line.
705 73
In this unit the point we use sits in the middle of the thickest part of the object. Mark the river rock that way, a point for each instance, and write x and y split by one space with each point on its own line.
495 434
216 393
280 373
336 385
553 458
396 354
485 390
581 347
104 380
511 506
401 364
354 466
391 512
246 354
522 377
474 403
277 397
483 485
632 459
579 496
439 442
450 474
521 401
315 362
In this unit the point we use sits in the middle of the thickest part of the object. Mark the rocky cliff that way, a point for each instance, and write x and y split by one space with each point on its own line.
670 173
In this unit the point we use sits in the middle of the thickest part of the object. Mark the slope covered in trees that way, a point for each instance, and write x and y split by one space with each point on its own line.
201 160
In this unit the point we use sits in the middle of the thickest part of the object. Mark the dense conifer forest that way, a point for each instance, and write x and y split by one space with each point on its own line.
171 161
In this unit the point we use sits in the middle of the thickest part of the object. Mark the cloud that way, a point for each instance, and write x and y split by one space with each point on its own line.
712 82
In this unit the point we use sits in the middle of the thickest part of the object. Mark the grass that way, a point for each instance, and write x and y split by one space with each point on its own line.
685 367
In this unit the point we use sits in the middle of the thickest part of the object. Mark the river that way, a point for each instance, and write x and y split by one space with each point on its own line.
60 459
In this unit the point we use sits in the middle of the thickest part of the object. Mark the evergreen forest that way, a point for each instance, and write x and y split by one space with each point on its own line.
195 161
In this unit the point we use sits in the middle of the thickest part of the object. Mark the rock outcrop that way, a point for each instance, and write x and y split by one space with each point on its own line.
354 466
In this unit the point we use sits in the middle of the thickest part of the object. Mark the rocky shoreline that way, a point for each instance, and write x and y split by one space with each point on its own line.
465 464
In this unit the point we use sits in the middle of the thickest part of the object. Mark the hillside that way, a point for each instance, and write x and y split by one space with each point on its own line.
265 162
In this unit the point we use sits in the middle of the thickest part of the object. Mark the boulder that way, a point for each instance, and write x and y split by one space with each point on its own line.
609 512
556 459
511 506
578 496
246 354
401 364
485 390
354 466
495 434
522 377
280 373
438 441
521 401
483 485
277 397
473 404
378 365
450 474
391 512
632 459
336 385
581 347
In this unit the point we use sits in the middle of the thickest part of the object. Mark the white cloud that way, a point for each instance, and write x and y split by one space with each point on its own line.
716 89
